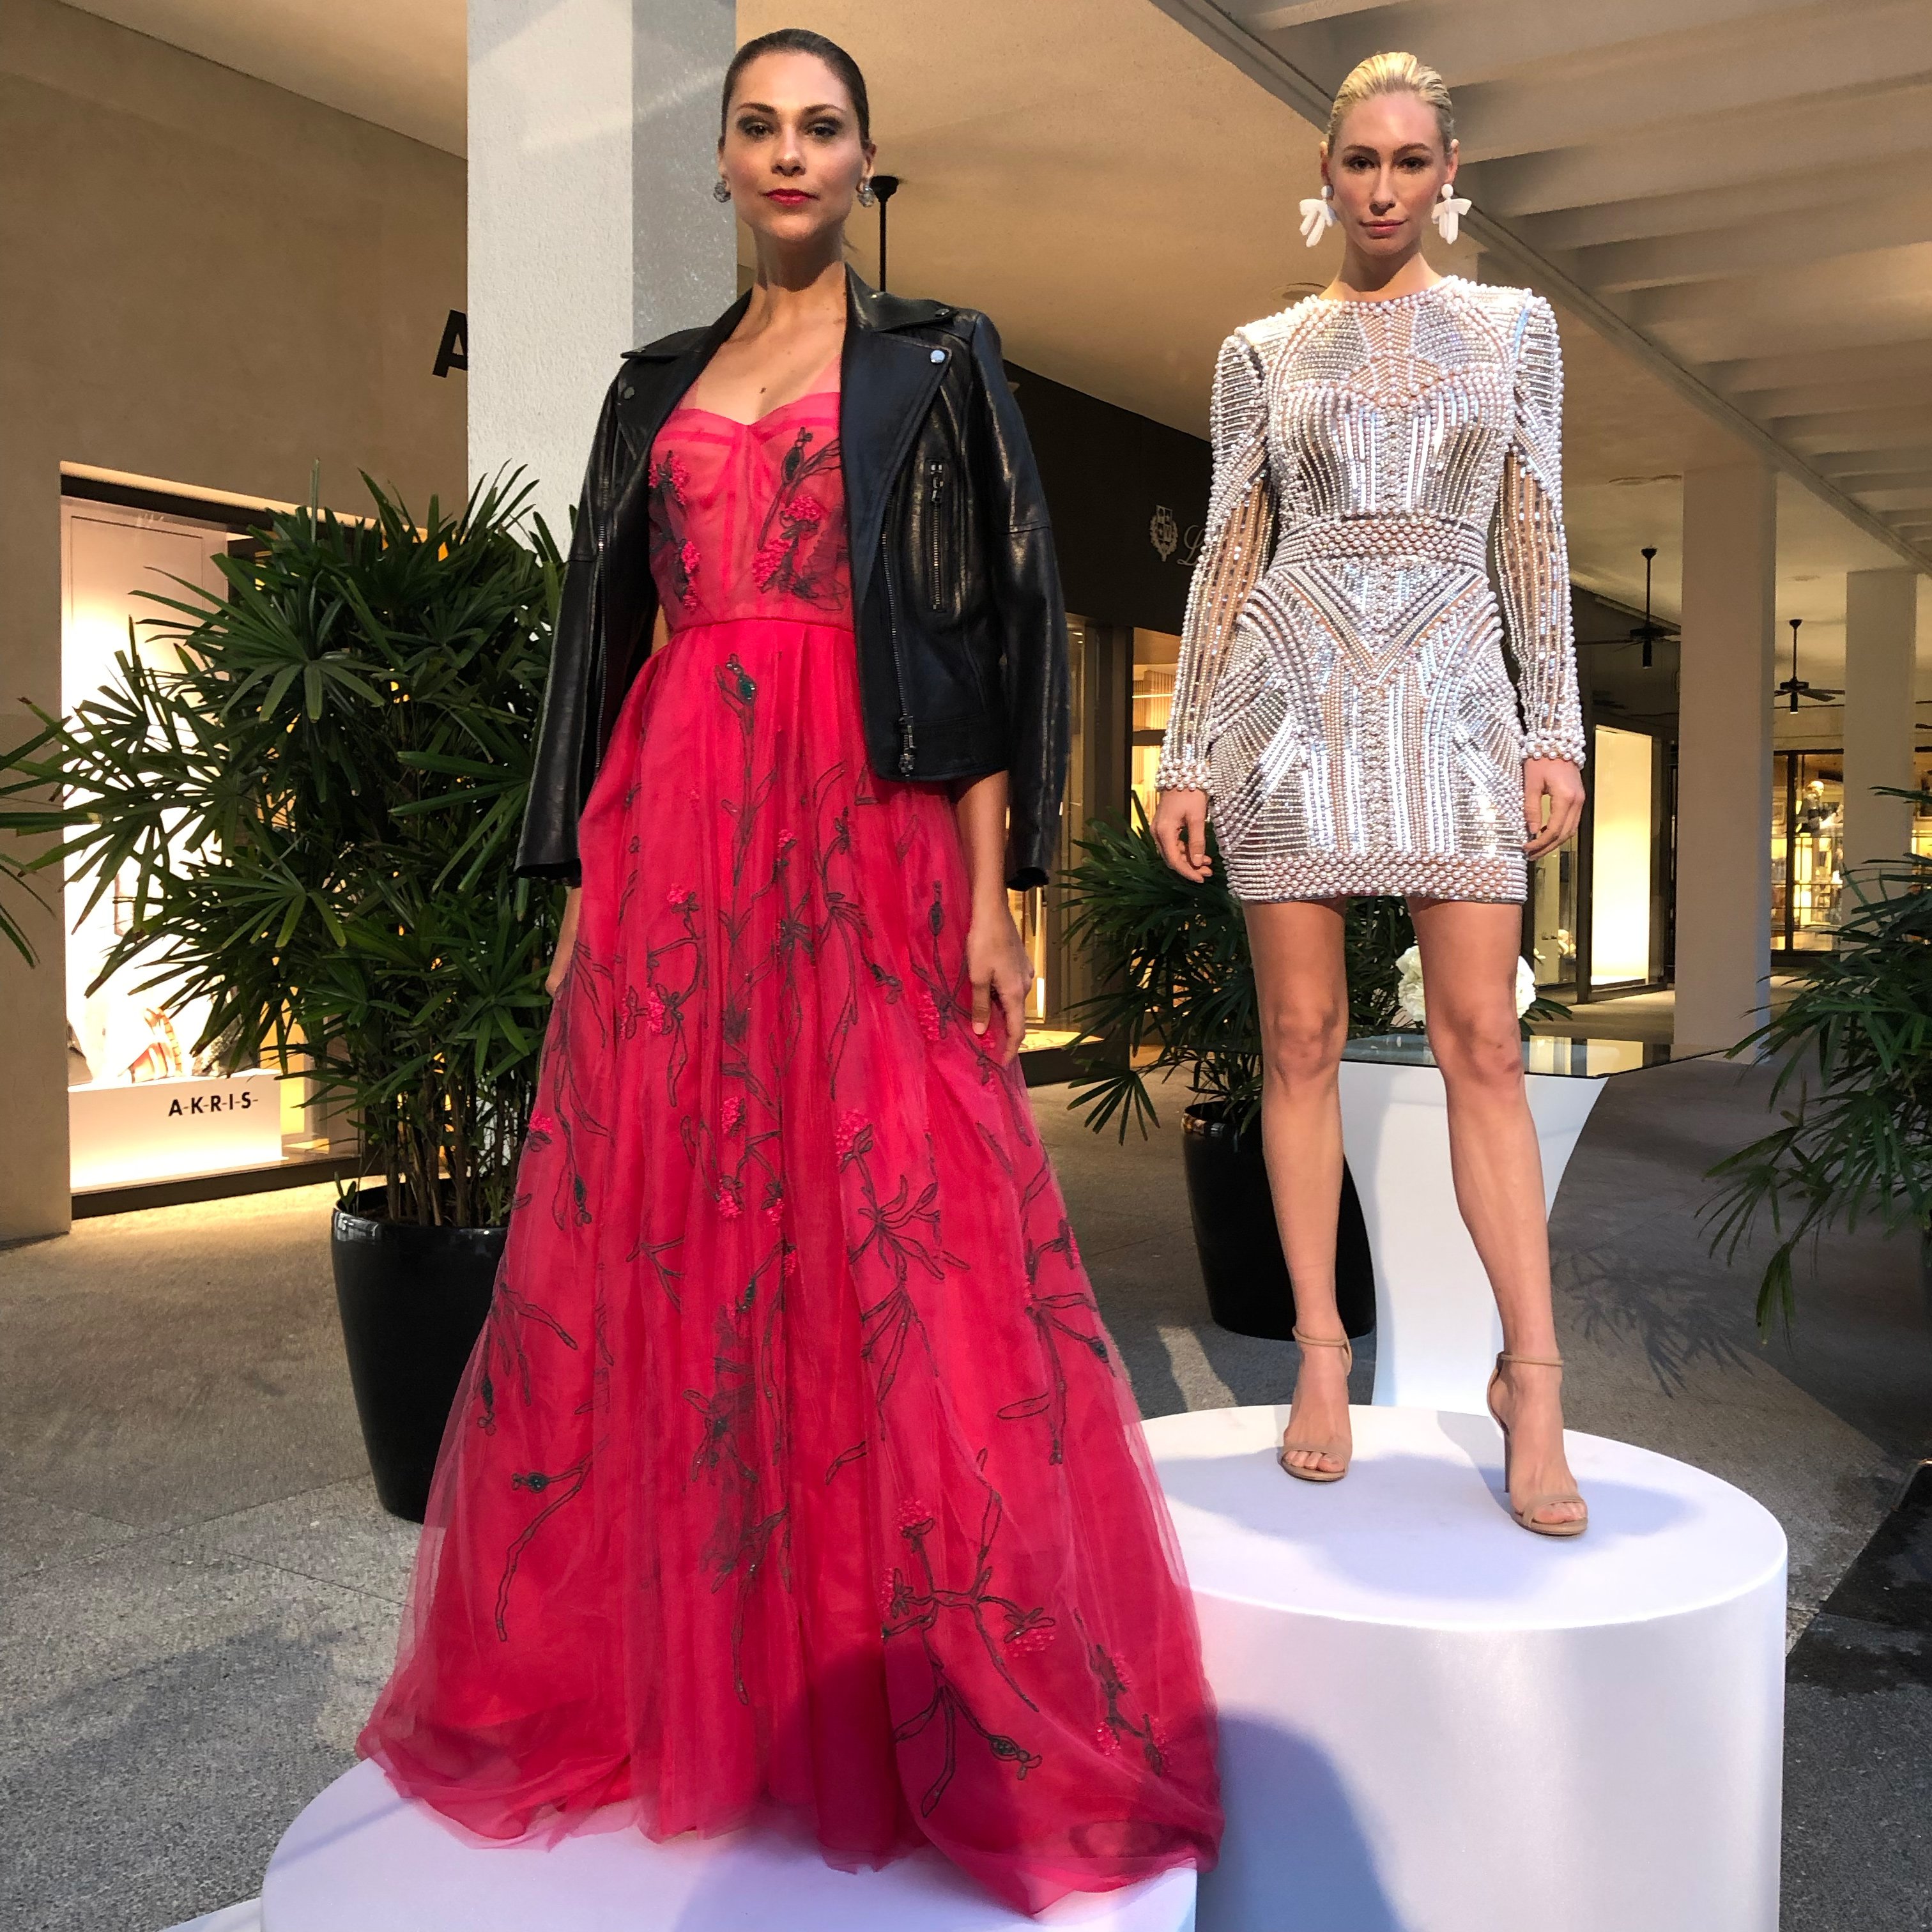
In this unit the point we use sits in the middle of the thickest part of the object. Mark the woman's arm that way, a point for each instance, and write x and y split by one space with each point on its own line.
1240 528
1533 575
1024 574
566 943
996 960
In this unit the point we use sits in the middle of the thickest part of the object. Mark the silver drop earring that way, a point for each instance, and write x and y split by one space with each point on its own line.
868 197
721 190
1449 211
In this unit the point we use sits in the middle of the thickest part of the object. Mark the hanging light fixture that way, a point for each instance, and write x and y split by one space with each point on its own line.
1795 687
1647 634
885 186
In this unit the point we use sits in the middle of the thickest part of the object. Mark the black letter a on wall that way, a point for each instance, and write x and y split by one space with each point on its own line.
453 352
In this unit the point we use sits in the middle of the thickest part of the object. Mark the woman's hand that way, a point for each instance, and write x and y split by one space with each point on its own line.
1180 831
997 965
1558 781
566 943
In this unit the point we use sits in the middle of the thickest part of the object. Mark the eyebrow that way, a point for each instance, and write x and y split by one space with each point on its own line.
822 107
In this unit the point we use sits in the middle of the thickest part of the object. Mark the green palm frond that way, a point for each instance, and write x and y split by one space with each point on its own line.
314 815
1854 1086
1178 985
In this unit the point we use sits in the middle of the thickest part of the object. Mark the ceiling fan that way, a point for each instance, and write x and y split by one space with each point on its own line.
1794 687
1648 633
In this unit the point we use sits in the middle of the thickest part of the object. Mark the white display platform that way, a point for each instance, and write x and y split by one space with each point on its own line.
246 1917
1433 1721
361 1859
121 1132
1437 1331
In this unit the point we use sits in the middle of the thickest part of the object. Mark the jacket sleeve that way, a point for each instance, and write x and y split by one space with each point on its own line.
1025 576
1234 552
1532 558
567 746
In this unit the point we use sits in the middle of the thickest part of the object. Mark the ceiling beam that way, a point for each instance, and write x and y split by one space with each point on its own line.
1495 37
1895 428
1264 65
1650 86
1907 485
1696 211
1905 362
1772 239
1274 20
1886 124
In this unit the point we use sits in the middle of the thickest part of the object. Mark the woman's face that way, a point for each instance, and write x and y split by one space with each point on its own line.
1386 170
791 152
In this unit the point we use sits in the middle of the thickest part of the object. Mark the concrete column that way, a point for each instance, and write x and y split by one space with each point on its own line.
1723 809
592 128
1881 645
34 1190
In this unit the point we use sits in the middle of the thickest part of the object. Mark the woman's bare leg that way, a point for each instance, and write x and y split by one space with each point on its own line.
1468 965
1301 986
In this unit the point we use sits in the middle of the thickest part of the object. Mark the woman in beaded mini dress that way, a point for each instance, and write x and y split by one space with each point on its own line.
794 1464
1343 707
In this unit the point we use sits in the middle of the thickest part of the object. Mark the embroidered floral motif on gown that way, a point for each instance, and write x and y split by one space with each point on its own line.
794 1462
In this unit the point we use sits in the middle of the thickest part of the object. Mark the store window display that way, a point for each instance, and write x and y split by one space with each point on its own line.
144 1105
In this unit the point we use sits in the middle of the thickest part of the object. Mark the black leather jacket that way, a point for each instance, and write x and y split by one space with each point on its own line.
955 592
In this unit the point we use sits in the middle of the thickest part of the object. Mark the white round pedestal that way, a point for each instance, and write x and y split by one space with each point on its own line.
1433 1721
361 1859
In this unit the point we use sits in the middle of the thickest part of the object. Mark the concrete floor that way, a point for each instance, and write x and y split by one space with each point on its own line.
198 1593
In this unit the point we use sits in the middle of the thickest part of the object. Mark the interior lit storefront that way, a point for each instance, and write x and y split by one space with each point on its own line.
1807 828
145 1104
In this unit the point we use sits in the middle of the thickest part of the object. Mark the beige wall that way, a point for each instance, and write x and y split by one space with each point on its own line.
210 282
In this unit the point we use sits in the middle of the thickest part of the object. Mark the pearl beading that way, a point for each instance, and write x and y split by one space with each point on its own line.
1342 693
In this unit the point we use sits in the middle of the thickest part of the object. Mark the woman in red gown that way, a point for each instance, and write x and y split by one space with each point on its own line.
794 1463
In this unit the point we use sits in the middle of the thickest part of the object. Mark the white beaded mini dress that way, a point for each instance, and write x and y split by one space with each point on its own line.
1343 695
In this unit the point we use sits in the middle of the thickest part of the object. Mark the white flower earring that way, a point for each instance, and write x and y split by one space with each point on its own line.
1317 215
1448 212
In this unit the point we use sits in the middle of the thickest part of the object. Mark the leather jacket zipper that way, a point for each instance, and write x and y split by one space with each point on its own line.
935 512
898 662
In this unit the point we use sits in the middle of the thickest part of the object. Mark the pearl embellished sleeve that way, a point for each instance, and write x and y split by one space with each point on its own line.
1234 551
1532 555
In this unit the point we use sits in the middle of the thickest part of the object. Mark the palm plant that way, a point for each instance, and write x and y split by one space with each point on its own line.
1171 958
313 814
1855 1043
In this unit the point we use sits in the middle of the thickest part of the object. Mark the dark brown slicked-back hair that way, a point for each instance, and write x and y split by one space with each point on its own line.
800 40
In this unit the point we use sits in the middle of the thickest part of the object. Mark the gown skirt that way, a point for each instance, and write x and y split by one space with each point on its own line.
794 1464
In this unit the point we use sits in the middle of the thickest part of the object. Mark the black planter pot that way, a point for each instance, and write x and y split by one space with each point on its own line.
1249 1292
413 1301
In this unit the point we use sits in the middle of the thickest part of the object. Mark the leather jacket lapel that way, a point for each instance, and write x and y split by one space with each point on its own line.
668 370
886 383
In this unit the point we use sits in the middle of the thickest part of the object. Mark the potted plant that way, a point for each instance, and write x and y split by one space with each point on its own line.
1855 1043
1172 959
312 813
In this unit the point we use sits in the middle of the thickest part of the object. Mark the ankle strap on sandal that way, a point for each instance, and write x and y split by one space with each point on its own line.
1530 1361
1318 1341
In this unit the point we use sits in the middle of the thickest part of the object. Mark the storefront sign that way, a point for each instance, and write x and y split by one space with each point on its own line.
453 352
164 1130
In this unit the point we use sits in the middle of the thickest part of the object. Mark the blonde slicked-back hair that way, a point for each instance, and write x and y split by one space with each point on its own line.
1394 74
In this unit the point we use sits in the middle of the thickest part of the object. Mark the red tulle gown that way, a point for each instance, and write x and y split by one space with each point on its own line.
794 1462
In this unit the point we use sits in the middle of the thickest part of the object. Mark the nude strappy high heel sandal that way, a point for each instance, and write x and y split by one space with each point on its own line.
1336 1451
1526 1515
